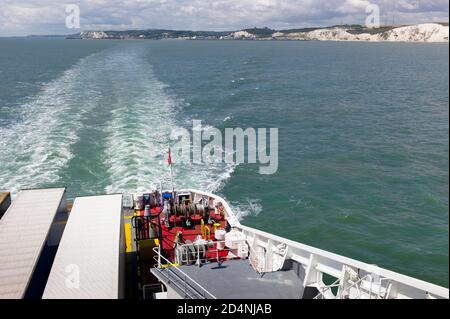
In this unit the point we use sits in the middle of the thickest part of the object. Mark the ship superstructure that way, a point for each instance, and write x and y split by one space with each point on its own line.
173 244
200 250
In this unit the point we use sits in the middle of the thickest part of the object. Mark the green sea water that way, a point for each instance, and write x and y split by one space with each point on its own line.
363 133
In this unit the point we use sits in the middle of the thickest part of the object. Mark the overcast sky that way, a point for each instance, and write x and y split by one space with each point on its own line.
23 17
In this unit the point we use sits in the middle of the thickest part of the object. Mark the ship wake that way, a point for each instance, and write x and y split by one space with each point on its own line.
103 126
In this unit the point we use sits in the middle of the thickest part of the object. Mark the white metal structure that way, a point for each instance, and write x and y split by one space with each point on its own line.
89 261
353 279
24 234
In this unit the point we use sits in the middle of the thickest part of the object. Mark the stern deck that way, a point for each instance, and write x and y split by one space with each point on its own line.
236 279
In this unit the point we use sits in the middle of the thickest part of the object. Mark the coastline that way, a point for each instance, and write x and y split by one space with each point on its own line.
421 33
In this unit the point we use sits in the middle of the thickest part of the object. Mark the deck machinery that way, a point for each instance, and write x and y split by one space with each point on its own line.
189 244
171 244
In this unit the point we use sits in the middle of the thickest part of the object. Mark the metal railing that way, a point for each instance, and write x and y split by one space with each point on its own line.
180 279
203 254
358 285
326 289
145 225
330 263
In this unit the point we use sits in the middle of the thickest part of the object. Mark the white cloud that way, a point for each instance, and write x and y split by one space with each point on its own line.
48 16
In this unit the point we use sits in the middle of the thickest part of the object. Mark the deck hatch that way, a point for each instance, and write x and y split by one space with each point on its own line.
89 261
25 240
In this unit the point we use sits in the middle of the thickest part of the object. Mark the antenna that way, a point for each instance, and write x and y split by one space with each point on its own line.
169 161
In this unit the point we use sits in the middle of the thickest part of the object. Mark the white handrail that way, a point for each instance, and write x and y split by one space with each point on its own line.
217 258
355 284
325 288
331 263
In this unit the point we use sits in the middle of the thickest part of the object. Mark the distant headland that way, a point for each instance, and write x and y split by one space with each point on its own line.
426 32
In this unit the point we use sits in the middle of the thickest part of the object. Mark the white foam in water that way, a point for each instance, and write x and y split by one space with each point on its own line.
138 136
35 149
142 115
253 207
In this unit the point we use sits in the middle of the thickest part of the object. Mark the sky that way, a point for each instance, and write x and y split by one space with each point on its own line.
24 17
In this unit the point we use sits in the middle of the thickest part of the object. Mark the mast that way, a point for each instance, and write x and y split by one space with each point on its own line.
169 161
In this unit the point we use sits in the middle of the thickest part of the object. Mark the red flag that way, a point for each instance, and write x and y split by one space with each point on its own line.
169 159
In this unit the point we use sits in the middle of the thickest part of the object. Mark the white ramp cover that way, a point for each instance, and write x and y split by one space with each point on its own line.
87 262
23 232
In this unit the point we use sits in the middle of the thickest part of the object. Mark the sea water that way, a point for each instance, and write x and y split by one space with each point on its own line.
363 133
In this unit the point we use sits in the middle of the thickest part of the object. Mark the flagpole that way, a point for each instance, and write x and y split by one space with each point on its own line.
171 175
171 178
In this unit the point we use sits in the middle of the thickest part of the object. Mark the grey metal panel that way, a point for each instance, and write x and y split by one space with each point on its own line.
88 261
23 232
234 279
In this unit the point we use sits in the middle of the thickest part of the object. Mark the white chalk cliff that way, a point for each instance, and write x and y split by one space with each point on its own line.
427 32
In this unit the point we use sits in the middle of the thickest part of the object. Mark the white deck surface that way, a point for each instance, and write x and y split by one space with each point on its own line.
87 262
23 231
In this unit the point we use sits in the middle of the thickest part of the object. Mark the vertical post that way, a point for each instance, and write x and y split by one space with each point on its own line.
160 194
169 161
217 254
198 255
159 256
171 179
160 239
